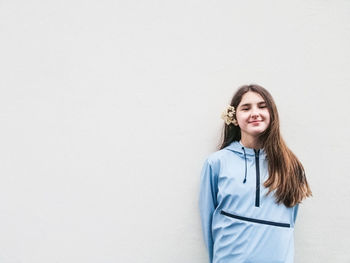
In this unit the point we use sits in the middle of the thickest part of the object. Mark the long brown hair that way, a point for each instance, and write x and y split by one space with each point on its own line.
286 173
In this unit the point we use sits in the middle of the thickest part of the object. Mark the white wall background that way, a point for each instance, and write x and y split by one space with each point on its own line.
108 109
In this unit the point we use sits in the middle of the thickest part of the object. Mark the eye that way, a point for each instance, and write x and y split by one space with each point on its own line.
262 106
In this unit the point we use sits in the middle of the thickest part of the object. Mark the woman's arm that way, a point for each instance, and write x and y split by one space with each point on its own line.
207 203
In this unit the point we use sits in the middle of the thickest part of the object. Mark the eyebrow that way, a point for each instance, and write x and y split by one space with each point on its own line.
248 104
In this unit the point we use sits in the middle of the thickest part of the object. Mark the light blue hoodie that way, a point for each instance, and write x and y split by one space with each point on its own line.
240 223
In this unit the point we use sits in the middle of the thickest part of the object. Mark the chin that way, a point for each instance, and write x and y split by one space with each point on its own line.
257 132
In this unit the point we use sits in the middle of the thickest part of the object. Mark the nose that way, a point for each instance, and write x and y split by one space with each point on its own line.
254 114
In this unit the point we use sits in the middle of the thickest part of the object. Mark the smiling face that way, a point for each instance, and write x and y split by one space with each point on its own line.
252 115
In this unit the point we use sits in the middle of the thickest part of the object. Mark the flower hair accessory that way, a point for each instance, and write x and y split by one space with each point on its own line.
229 116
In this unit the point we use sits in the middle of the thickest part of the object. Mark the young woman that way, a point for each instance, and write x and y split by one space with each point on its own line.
250 189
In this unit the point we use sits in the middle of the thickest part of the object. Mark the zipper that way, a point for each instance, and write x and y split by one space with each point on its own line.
253 220
257 191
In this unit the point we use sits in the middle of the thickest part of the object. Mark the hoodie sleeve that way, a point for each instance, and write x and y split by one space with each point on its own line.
207 203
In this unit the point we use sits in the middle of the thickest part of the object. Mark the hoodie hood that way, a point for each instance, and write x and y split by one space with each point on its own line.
245 152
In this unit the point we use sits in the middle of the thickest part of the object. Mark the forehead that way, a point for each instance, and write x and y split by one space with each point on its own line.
251 98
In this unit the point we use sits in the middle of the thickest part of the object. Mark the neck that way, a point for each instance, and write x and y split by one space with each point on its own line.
251 142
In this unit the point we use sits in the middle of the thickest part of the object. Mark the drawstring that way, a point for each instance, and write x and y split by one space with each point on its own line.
245 172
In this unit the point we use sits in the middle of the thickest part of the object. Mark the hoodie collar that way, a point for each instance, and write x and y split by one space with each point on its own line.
237 147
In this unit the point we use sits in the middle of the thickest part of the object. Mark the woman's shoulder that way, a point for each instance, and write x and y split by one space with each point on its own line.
220 156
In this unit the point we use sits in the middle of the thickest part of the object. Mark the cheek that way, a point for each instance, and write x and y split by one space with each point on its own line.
267 117
242 120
